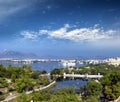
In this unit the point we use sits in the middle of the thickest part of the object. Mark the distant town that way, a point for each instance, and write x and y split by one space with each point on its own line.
64 62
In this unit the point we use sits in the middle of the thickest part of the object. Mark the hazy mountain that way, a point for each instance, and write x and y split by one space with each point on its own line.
16 54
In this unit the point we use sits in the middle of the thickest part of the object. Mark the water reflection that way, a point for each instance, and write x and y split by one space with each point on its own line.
69 83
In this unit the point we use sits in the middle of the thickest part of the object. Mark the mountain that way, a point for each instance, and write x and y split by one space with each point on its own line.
16 54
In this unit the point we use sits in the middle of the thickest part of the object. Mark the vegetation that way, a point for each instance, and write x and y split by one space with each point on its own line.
88 69
57 71
108 87
24 78
3 83
62 95
91 91
93 88
111 85
20 79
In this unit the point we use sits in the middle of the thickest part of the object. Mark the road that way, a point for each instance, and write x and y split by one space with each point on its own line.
10 97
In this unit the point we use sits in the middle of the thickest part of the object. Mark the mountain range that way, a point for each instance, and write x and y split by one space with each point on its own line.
16 54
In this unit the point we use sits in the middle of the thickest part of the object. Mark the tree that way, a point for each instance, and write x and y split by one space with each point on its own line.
43 80
24 84
35 75
57 71
3 83
111 85
2 71
93 88
23 98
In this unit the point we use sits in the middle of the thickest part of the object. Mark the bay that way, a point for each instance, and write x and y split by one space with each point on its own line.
48 66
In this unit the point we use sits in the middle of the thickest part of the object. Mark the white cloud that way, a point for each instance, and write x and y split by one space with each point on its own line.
77 34
29 35
43 32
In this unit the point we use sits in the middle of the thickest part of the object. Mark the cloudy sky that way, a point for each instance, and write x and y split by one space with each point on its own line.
61 28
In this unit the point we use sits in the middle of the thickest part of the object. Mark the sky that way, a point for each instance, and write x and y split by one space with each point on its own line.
61 28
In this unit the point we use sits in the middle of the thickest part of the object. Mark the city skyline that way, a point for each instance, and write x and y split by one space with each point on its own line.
69 28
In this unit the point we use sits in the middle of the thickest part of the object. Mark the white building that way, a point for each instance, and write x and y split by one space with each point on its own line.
114 61
68 63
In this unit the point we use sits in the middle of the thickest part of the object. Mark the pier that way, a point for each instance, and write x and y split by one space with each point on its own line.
82 76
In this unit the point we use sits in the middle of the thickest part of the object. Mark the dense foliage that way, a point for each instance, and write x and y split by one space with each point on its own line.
62 95
22 78
103 69
108 87
111 85
91 91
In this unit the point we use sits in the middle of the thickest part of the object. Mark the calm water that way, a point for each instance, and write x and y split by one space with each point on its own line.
48 66
69 83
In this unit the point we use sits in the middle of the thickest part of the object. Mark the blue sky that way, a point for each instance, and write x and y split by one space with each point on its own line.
61 28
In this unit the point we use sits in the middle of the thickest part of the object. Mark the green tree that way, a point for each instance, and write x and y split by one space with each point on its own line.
2 71
43 80
111 85
93 88
23 98
24 84
3 83
56 71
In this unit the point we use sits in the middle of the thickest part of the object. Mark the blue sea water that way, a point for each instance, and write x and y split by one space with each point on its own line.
48 66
